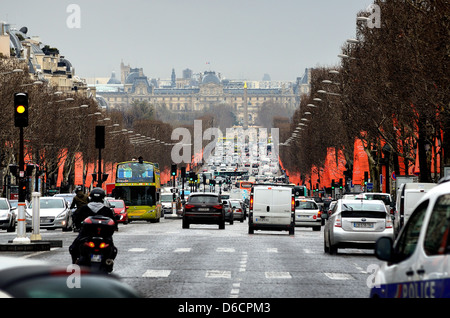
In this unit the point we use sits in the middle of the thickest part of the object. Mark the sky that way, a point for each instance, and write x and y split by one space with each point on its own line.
240 39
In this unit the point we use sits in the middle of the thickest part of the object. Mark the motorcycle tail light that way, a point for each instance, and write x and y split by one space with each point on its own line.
103 245
90 244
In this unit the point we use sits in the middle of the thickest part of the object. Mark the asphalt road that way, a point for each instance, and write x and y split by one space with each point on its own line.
162 260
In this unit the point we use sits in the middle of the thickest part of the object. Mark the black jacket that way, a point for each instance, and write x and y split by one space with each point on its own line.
89 210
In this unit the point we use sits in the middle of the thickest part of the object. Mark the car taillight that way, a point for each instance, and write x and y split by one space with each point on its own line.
251 202
337 222
388 221
90 244
218 207
188 206
293 204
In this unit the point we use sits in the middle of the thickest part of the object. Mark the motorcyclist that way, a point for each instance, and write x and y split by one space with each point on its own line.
80 200
94 207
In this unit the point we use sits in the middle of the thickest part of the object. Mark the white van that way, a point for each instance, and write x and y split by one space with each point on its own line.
408 194
272 207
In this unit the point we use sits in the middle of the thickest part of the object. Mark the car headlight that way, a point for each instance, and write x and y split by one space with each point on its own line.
62 215
4 215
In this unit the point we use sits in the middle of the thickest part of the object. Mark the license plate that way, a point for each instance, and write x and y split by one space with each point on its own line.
363 225
96 258
261 220
203 209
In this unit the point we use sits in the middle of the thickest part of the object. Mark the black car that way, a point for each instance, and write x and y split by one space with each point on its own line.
204 208
24 278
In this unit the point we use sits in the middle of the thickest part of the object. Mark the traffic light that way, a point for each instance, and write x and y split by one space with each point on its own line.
21 109
332 184
341 184
173 170
99 137
183 172
366 177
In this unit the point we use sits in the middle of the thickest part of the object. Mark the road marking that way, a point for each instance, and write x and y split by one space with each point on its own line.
225 250
156 273
137 250
218 274
183 250
338 276
272 250
282 275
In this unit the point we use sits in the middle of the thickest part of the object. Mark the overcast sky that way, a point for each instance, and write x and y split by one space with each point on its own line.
241 39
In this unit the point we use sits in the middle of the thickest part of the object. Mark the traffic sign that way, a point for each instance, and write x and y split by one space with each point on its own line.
369 186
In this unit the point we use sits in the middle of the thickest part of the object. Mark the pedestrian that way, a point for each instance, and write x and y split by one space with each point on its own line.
80 200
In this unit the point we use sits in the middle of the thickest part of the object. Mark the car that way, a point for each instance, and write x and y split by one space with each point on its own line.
54 213
203 208
166 202
25 278
356 224
271 208
229 216
67 196
308 214
238 210
7 216
408 194
385 197
120 210
416 264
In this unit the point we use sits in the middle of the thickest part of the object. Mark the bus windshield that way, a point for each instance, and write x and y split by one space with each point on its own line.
134 172
137 195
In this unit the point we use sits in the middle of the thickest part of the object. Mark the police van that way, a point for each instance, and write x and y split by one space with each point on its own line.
418 263
272 207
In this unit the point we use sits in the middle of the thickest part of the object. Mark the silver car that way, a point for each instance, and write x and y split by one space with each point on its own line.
307 214
54 213
7 216
356 224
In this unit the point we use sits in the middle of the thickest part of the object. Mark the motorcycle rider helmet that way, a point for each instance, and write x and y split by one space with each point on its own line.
97 195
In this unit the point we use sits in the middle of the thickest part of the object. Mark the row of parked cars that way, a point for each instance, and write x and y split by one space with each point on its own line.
54 211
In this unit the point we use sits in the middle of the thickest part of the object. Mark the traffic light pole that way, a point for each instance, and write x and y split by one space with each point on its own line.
21 220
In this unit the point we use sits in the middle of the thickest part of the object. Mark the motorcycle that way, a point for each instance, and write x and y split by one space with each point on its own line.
97 249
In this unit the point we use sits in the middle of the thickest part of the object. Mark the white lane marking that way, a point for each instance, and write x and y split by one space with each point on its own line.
153 273
282 275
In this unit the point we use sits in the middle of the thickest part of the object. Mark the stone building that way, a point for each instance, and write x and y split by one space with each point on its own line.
205 91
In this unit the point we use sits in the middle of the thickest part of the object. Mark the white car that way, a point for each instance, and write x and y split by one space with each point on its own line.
418 263
356 224
307 214
54 213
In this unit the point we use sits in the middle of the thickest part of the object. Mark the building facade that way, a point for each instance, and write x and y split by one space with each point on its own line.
199 93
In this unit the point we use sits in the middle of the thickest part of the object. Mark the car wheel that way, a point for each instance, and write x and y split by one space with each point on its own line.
251 230
222 225
317 228
12 228
185 224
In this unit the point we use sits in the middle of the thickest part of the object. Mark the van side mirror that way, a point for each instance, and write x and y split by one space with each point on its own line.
384 249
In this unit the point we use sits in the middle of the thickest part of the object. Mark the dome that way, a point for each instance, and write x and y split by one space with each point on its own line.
210 77
113 79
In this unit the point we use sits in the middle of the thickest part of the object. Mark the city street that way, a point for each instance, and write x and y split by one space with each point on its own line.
162 260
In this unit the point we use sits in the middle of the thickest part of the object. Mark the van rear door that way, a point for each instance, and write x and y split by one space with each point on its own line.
272 205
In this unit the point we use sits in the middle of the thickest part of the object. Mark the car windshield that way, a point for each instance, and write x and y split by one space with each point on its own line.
306 205
235 204
51 204
117 204
167 197
384 198
3 205
204 199
362 206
